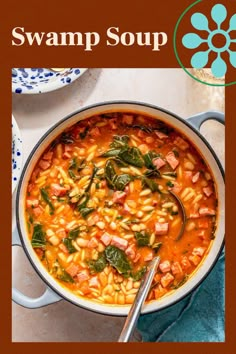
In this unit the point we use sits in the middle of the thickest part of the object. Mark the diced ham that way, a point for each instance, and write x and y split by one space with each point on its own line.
44 165
141 133
127 119
67 150
82 276
106 239
196 177
103 184
57 190
148 256
63 248
94 282
172 160
113 124
159 291
48 155
181 143
95 132
93 243
119 197
72 269
32 203
160 135
176 268
177 187
158 162
66 155
195 259
164 266
130 251
188 175
137 257
203 223
199 251
204 211
166 279
37 211
39 252
185 262
207 191
161 228
119 242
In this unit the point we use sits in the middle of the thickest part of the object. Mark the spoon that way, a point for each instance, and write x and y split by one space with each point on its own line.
184 216
138 301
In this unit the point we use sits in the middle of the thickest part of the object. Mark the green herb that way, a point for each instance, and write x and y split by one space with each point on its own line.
117 258
176 153
121 181
61 273
71 174
148 157
152 173
120 217
73 163
170 184
84 133
142 238
119 162
110 173
97 266
115 181
132 156
68 243
38 238
139 274
171 174
82 207
82 165
46 198
156 246
174 213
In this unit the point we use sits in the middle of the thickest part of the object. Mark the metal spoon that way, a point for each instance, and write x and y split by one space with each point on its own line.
138 301
184 216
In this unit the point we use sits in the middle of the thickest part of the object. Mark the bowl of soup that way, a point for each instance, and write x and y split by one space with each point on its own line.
100 196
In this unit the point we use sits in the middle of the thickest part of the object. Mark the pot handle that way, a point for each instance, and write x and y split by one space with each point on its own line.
198 119
48 297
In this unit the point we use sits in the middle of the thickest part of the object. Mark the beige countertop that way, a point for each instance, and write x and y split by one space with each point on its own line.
172 89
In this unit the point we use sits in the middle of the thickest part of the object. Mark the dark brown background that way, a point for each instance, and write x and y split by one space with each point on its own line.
155 15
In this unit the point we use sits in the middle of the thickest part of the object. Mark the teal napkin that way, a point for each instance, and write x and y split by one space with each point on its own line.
197 318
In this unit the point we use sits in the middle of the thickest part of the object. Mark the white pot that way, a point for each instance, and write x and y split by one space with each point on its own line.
190 128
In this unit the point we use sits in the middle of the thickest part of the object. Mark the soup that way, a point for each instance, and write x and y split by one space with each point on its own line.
99 208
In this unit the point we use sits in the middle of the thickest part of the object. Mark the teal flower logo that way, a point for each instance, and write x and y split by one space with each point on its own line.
192 40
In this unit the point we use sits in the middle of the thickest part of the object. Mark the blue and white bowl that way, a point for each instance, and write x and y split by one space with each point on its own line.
39 80
17 157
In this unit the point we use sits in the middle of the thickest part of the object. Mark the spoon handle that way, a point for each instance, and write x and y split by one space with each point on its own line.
138 301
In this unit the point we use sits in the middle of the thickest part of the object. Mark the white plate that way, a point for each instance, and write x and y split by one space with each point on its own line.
17 157
39 80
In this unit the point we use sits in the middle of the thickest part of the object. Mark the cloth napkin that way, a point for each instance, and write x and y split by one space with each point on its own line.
197 318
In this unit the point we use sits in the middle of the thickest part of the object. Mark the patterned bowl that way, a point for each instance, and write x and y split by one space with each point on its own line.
17 158
39 80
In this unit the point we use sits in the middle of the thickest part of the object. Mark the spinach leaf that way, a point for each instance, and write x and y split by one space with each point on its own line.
72 175
170 184
143 128
97 266
82 207
73 163
46 198
111 153
110 173
119 141
152 173
117 258
95 170
84 133
119 162
171 174
148 157
74 233
176 286
68 243
147 182
61 273
139 274
66 138
142 238
121 181
132 156
38 238
81 166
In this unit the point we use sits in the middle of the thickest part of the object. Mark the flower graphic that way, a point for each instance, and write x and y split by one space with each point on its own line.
192 40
